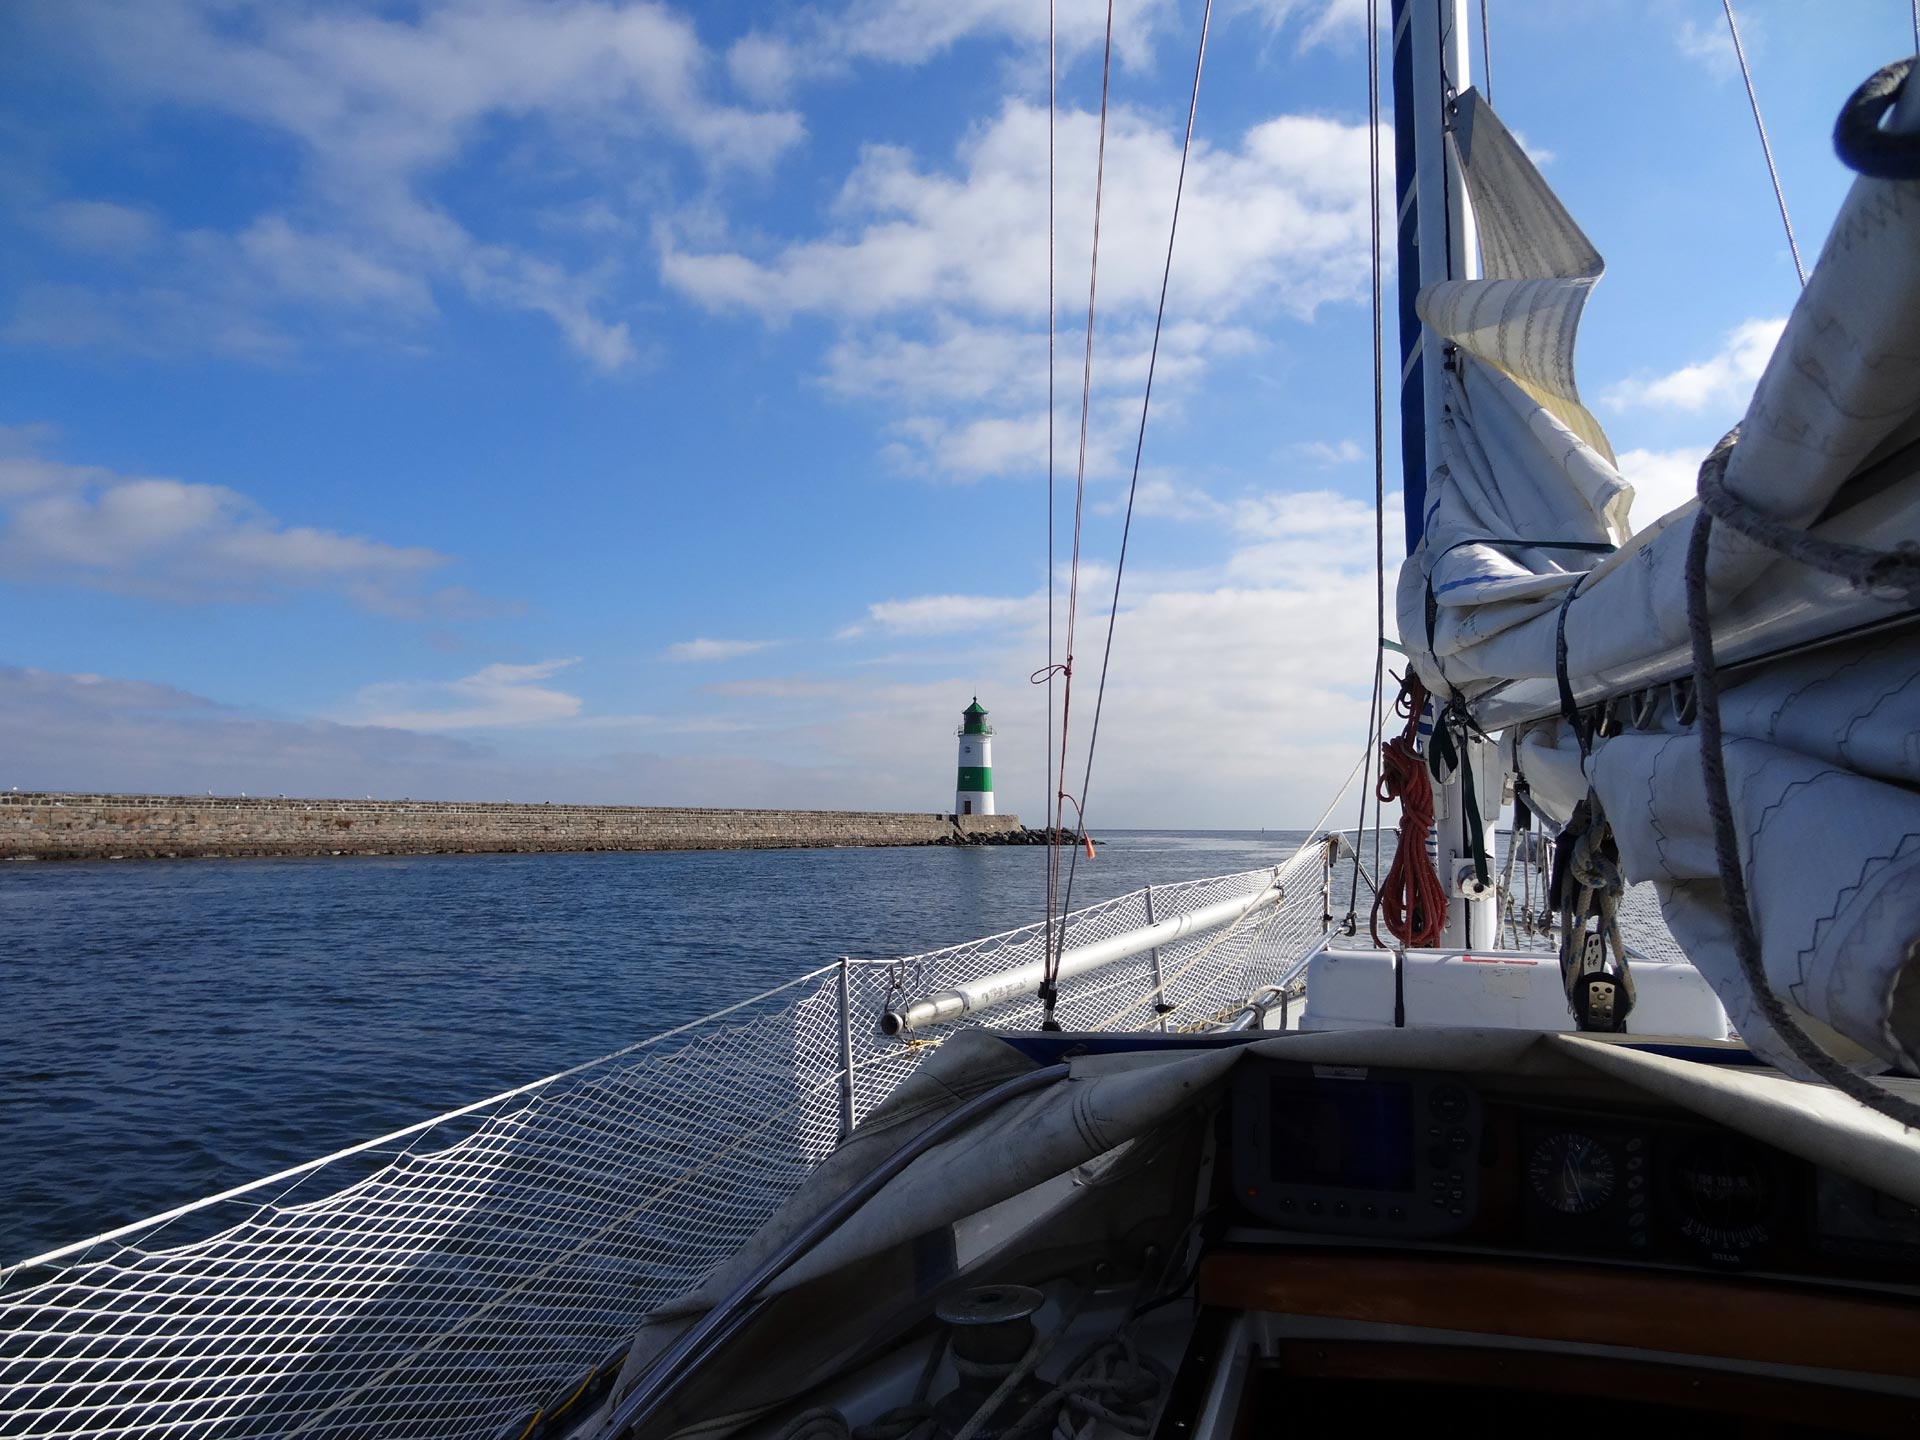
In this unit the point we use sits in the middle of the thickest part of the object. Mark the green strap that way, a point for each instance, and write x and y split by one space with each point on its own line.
1442 757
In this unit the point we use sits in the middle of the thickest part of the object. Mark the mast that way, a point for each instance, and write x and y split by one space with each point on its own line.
1436 241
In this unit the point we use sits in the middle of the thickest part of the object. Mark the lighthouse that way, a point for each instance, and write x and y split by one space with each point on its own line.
973 794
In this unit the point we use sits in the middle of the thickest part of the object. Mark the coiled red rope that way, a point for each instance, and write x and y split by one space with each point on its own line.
1411 898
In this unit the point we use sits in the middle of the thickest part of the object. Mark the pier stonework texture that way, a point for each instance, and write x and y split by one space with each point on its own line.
50 826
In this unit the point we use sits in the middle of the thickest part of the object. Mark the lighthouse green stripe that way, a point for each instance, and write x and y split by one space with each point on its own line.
978 778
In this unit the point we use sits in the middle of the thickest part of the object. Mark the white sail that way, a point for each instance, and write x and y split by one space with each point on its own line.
1819 748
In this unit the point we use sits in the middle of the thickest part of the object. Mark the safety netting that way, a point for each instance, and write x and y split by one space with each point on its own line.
469 1275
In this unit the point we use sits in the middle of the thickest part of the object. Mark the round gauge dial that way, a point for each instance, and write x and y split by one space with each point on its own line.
1572 1172
1724 1195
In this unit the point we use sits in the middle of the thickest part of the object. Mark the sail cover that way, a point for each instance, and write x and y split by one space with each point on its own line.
1526 505
935 1225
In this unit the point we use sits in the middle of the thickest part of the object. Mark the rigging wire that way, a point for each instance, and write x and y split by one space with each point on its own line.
1139 448
1051 962
1766 149
1379 413
1053 85
1379 465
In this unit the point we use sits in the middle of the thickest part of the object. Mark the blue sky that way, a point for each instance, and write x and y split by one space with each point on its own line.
582 400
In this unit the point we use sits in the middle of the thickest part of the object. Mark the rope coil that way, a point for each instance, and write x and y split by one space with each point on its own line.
1411 899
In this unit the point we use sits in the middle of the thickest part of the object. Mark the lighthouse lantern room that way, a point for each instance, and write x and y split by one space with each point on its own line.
974 791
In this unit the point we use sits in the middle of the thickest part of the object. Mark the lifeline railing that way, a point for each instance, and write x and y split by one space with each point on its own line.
393 1289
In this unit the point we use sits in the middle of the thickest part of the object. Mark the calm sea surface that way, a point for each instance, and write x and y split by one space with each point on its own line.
171 1028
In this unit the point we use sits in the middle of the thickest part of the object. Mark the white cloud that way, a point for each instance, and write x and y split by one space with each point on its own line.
1166 498
379 104
1662 480
1302 538
174 539
151 319
1708 43
1207 670
1332 20
702 649
765 68
970 449
1328 454
775 688
943 614
99 227
1722 382
1284 215
496 697
237 294
1275 640
961 361
935 275
322 269
90 732
816 41
1538 154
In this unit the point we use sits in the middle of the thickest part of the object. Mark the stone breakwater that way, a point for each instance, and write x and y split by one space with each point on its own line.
49 826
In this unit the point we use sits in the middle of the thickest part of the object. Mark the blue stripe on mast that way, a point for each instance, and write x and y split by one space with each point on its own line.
1413 407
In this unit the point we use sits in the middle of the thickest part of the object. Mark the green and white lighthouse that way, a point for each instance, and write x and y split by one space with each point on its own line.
973 793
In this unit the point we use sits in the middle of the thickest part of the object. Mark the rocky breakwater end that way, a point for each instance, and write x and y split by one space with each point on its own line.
68 826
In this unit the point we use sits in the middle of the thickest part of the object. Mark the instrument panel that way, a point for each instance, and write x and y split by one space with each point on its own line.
1341 1150
1390 1154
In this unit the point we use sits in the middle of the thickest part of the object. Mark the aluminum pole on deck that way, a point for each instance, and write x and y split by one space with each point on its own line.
1024 980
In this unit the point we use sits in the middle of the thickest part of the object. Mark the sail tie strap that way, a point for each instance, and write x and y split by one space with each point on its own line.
1570 707
1445 756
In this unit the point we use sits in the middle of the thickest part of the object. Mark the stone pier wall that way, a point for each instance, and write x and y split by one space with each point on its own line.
47 826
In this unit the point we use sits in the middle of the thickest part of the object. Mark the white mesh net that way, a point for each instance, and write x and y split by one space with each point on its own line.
499 1257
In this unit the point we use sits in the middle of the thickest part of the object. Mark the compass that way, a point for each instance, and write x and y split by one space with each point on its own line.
1572 1172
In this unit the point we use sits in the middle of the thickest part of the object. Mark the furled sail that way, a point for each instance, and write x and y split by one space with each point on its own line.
1512 409
1515 597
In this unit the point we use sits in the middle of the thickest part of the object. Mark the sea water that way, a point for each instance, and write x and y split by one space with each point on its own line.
172 1028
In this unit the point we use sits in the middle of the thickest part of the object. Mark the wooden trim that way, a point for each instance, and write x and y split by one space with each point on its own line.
1732 1319
1821 1408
